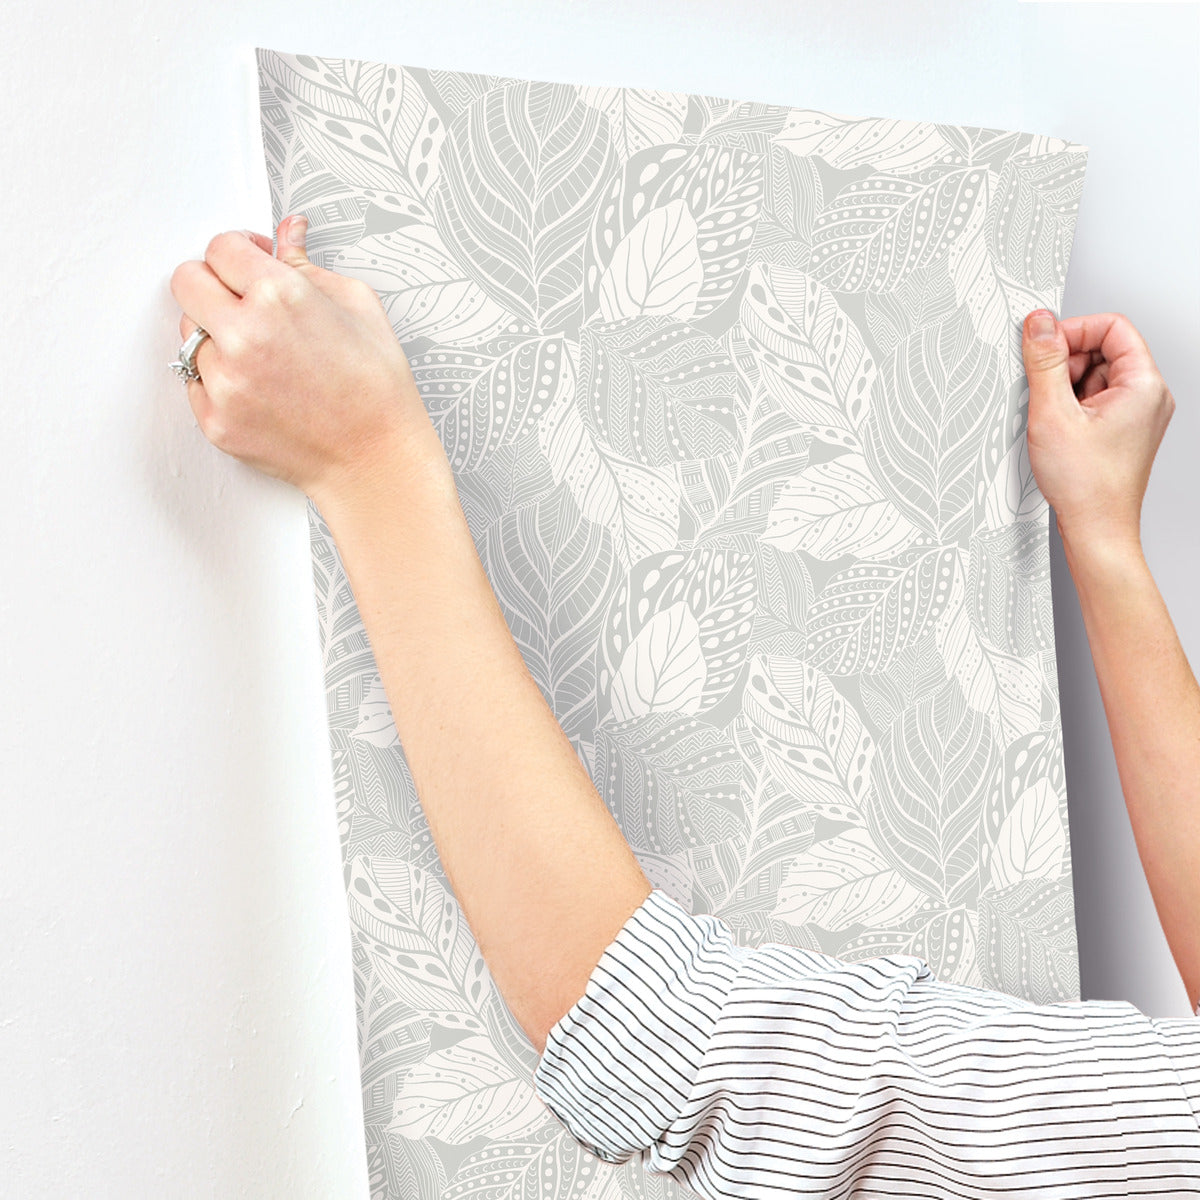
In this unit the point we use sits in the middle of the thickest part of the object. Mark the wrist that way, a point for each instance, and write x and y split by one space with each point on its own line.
406 473
1095 551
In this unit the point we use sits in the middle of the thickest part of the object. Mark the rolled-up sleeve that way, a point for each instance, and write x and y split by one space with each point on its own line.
777 1071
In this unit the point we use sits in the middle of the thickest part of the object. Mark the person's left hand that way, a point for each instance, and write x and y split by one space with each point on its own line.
302 375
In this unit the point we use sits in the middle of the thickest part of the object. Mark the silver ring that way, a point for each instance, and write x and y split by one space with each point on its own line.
185 365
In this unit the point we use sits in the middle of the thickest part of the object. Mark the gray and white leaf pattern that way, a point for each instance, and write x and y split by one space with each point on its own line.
811 355
734 401
836 509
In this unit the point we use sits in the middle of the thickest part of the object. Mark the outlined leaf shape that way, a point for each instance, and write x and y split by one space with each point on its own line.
1008 585
732 494
662 668
933 402
795 194
1013 496
997 302
810 354
638 504
1034 217
418 941
785 586
994 147
515 474
369 122
845 881
638 117
869 612
933 768
505 399
949 942
776 827
836 509
523 169
657 390
814 741
916 672
648 661
924 297
1027 940
553 573
655 269
878 229
672 781
1033 839
1031 758
1006 688
424 289
883 143
542 1165
397 1166
463 1092
722 189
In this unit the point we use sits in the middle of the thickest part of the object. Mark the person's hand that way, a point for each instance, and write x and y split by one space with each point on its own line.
302 374
1098 409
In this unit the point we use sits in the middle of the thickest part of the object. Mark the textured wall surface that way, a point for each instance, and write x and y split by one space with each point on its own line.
177 1017
734 399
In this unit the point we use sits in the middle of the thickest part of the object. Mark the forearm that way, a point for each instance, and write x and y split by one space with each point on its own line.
539 866
1152 703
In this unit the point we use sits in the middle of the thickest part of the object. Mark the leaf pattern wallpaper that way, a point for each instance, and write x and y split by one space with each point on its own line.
734 398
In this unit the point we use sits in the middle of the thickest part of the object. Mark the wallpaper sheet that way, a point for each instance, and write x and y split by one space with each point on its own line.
734 399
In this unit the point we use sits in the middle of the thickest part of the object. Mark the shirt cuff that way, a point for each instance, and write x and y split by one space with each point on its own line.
619 1065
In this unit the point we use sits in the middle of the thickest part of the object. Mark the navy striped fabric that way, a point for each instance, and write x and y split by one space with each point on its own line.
776 1071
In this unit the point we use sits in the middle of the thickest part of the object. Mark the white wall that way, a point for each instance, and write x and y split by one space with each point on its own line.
176 1011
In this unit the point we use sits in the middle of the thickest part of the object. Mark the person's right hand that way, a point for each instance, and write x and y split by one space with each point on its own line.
1098 409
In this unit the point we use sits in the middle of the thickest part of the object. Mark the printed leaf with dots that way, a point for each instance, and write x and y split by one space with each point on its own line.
734 400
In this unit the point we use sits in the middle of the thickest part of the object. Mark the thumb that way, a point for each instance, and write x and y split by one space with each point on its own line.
290 240
1047 359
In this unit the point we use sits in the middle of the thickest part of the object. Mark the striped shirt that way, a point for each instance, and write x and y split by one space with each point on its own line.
775 1071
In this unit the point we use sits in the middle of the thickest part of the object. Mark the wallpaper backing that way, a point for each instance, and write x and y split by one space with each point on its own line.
734 399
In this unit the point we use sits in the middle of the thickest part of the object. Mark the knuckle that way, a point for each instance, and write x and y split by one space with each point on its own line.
364 299
260 290
234 343
363 289
212 419
180 276
217 241
292 288
273 291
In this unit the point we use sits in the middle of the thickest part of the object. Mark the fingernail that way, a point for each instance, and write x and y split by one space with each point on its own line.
296 230
1041 324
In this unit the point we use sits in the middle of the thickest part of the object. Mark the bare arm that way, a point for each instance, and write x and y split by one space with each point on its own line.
1152 703
1098 411
303 378
541 869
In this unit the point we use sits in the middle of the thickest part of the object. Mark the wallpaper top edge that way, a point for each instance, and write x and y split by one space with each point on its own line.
1062 146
